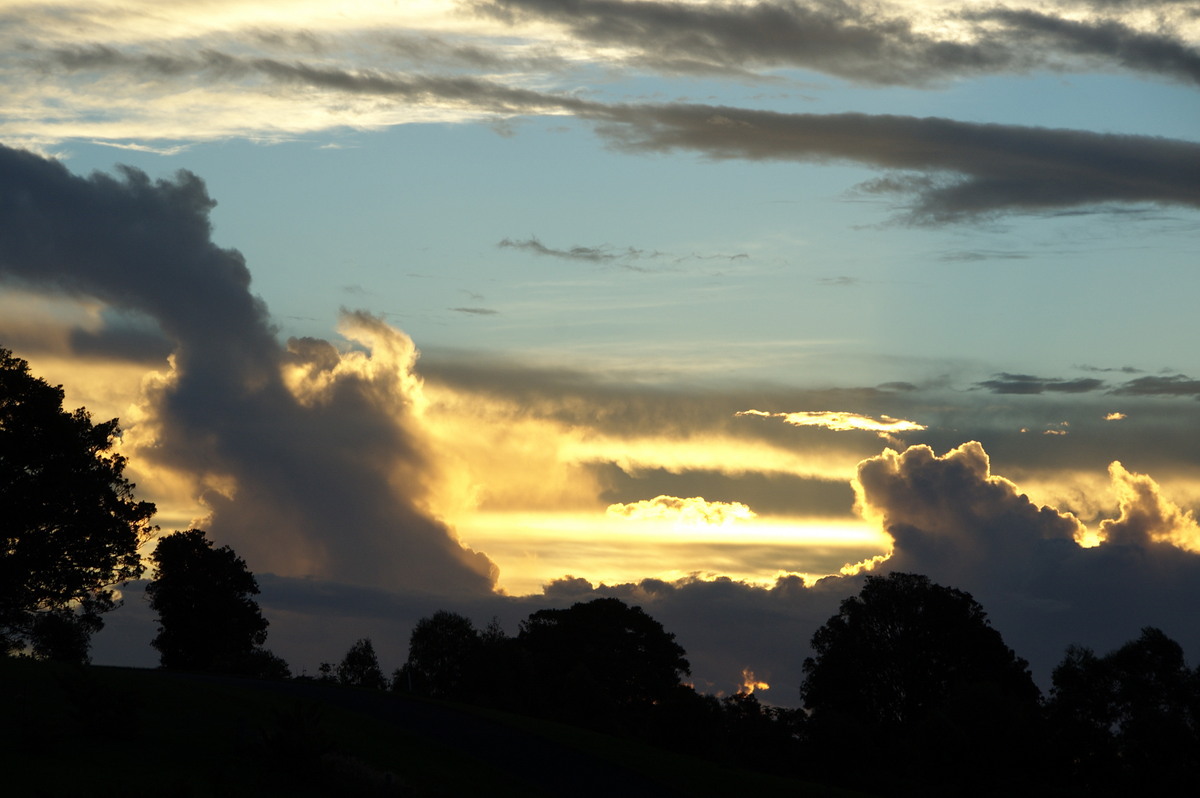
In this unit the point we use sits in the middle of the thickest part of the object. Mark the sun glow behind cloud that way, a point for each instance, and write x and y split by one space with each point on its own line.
840 421
533 549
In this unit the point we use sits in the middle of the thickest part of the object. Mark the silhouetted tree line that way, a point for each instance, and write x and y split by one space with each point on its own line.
910 690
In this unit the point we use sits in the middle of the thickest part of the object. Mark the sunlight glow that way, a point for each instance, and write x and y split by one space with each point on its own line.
533 549
840 421
750 682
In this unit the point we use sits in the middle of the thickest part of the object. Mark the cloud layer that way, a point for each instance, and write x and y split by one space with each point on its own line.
263 78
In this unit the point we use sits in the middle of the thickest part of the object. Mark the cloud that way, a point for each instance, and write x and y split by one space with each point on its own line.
876 43
840 421
476 311
693 511
205 86
600 254
1147 516
1005 383
954 520
946 170
1107 41
310 461
949 515
976 255
1172 385
939 170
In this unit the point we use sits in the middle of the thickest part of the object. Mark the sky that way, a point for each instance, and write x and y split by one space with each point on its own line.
716 307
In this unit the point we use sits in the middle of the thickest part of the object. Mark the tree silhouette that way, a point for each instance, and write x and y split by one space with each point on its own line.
442 654
69 524
360 667
208 620
1128 719
911 674
600 660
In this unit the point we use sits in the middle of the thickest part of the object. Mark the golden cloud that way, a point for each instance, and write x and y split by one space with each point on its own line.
840 421
693 512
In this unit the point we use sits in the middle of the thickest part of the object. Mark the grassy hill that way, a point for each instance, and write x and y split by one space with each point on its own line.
116 731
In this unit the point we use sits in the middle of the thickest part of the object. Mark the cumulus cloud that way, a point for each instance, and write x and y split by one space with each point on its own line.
695 510
1147 516
310 461
951 517
954 520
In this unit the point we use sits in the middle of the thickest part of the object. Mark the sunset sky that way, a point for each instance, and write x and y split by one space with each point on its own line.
505 304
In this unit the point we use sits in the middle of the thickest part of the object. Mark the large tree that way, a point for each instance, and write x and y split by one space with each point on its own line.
601 658
910 675
208 618
69 524
443 653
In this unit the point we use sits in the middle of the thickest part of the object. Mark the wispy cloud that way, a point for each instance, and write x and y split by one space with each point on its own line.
594 254
1029 384
840 421
876 43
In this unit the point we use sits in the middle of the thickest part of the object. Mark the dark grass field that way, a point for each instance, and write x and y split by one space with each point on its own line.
99 731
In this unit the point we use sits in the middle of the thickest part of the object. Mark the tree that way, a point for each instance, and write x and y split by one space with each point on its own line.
912 674
69 524
442 652
601 659
360 667
1129 718
208 620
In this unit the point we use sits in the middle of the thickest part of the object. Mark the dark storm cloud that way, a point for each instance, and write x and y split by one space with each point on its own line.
857 41
1028 384
315 484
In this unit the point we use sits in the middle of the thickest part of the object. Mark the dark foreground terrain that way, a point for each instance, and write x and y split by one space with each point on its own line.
75 731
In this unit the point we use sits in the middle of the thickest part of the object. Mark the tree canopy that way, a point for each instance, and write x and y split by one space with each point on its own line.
360 667
443 652
69 524
602 653
1129 719
208 618
914 672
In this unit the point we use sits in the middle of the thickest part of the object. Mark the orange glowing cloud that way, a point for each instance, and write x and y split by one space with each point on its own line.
750 682
1146 515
